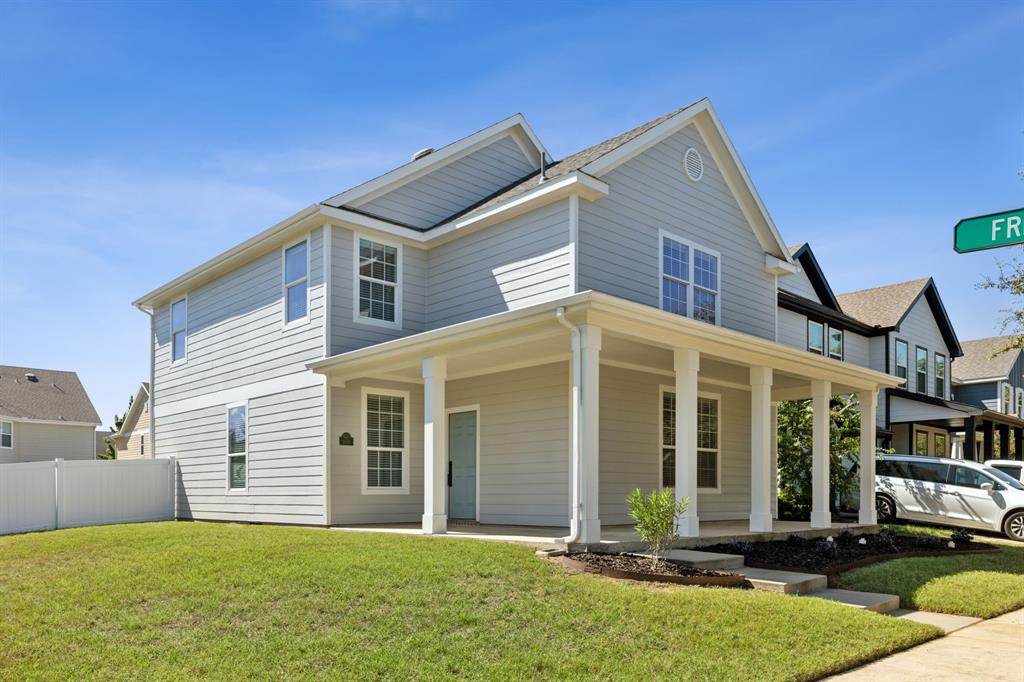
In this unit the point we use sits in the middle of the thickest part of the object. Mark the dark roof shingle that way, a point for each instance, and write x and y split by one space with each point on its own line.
53 396
882 306
982 359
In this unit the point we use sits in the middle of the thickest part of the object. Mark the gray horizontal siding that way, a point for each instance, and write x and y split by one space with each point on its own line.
619 252
515 264
236 330
793 332
445 191
799 284
40 442
982 395
920 329
285 459
346 333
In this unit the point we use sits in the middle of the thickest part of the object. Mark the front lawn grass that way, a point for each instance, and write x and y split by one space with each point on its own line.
184 600
981 585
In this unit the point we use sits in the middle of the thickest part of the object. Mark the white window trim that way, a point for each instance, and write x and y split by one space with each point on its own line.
935 374
229 455
1020 402
11 446
923 390
363 459
170 323
896 361
285 284
662 235
399 278
661 433
1003 406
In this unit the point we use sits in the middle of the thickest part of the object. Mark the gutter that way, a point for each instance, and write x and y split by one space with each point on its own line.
577 494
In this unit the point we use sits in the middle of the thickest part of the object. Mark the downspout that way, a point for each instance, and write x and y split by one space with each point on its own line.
574 518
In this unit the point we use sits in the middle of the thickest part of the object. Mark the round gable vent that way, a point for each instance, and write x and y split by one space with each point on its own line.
694 164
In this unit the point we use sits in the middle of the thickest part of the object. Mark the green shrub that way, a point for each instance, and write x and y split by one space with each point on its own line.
656 514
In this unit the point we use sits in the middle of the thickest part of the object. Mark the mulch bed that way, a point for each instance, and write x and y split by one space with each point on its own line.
636 567
817 555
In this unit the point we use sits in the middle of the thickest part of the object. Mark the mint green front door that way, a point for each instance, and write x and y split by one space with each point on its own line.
462 465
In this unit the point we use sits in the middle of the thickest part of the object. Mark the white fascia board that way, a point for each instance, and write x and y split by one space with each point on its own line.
359 221
698 114
371 189
980 380
46 422
777 266
241 253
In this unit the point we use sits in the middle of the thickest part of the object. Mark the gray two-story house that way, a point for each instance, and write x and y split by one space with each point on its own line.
484 335
990 377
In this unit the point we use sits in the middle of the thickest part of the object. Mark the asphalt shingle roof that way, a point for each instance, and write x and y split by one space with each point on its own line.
881 306
55 395
982 359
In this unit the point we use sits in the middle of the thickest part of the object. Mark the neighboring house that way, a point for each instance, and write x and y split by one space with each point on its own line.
992 379
132 439
44 414
483 334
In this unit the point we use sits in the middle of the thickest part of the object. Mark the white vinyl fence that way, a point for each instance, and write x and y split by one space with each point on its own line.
65 494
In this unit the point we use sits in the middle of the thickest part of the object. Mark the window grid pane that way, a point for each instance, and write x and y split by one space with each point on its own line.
295 265
378 261
704 305
236 472
297 298
705 270
376 300
921 366
385 428
178 344
707 424
673 298
236 430
178 315
676 258
668 467
815 337
835 343
707 469
668 419
901 359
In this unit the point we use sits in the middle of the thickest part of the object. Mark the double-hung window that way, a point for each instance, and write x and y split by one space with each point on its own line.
921 367
835 343
690 279
6 435
296 282
1007 398
708 448
902 353
815 337
385 441
378 282
940 375
238 446
179 326
1020 402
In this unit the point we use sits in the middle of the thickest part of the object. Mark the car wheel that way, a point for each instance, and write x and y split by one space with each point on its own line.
885 509
1013 526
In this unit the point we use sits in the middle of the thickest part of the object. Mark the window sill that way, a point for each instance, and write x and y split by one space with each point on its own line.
385 491
371 322
709 491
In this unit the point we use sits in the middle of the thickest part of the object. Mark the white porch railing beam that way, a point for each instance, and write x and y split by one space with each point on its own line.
588 346
868 406
761 436
687 367
435 446
821 395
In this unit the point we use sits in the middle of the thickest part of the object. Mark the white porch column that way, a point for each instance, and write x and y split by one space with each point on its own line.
761 436
588 390
687 366
774 497
435 446
821 394
868 406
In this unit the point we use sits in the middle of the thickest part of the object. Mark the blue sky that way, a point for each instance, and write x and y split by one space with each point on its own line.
139 139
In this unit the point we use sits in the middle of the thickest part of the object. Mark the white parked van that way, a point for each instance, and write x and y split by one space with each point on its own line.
1014 468
951 492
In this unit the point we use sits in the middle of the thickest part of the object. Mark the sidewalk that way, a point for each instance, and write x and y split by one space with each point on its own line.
989 650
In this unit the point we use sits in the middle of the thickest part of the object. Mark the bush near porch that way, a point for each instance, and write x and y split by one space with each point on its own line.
984 585
179 600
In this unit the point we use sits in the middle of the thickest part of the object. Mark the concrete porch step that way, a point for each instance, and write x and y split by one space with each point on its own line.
708 560
870 601
785 582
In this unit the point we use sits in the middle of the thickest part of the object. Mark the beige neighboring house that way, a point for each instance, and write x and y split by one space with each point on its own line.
130 441
45 414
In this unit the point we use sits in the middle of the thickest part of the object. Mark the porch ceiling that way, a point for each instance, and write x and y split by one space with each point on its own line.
634 336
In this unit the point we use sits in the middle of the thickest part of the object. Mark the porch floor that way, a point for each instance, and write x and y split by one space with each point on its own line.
618 538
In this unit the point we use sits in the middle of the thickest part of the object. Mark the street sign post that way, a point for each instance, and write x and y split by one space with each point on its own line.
989 231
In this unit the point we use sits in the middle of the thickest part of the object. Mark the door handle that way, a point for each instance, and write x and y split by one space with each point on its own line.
449 473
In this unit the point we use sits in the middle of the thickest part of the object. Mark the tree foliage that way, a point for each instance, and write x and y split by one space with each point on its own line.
1010 280
656 514
111 452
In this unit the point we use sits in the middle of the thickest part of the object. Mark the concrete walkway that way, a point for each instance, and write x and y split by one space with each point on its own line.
989 650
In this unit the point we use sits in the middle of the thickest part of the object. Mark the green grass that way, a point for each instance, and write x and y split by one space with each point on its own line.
178 600
982 585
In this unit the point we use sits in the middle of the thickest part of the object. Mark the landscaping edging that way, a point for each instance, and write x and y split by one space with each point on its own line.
710 580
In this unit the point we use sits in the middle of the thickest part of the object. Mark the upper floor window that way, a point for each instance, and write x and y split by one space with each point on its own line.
940 375
296 282
815 337
6 435
835 343
378 280
902 353
238 448
921 367
179 324
1007 398
1020 402
689 280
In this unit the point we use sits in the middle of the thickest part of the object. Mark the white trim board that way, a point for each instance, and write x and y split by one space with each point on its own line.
258 389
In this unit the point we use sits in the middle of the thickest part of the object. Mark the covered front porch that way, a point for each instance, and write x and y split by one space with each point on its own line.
549 416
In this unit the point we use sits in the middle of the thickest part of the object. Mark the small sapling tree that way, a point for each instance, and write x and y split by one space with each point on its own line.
656 515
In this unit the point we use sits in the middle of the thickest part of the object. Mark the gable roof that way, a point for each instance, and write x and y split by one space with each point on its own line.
54 396
887 306
816 276
982 359
131 418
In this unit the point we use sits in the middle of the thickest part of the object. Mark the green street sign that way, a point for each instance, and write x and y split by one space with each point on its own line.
989 231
